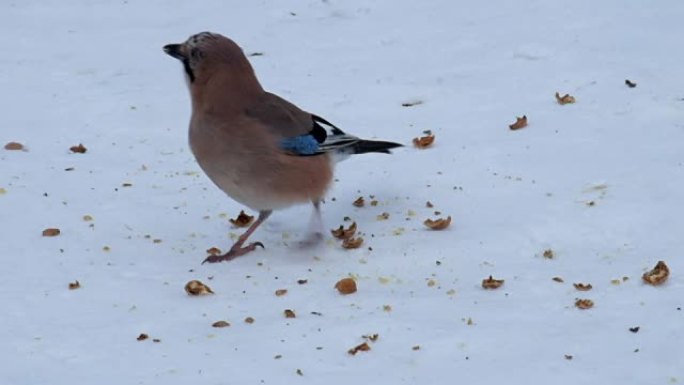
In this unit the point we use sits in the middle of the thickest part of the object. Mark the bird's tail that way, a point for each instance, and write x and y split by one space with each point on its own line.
365 146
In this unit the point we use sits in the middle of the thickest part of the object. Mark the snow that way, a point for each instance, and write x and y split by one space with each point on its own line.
94 73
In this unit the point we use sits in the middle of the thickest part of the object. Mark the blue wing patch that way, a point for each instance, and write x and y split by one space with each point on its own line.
301 145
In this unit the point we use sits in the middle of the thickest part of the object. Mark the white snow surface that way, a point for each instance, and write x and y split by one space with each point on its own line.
599 182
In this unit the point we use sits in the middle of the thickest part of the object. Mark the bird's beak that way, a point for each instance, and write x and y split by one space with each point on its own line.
174 50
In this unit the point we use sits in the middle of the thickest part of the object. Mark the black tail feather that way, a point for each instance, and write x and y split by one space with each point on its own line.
365 146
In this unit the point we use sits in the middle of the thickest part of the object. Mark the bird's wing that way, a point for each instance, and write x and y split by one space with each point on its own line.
298 132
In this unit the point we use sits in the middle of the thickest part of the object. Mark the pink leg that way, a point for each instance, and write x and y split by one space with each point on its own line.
315 228
237 249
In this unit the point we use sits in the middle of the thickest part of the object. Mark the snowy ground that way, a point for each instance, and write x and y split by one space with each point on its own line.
94 73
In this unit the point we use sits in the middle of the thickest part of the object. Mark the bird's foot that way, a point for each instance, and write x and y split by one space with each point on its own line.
234 252
312 240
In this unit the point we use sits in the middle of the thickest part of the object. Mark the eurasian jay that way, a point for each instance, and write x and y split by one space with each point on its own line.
260 149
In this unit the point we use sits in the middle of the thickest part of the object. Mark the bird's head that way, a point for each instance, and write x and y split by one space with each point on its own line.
208 55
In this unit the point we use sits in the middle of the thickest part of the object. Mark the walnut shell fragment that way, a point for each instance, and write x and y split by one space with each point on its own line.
582 286
51 232
364 347
196 288
424 141
657 275
220 324
342 233
359 202
80 149
584 304
14 146
491 283
74 285
438 224
242 220
142 337
280 292
520 122
352 243
214 251
565 99
289 313
346 286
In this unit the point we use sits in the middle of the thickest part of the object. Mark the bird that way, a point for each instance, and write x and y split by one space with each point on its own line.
260 149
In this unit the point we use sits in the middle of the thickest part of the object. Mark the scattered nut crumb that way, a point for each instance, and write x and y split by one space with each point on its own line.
424 141
242 220
549 254
383 216
352 243
87 218
657 275
519 123
51 232
429 204
220 324
584 304
289 313
630 83
364 347
342 233
249 320
371 337
80 149
142 337
558 279
565 99
359 202
214 251
491 283
582 286
74 285
346 286
196 287
280 292
387 308
438 224
374 203
14 146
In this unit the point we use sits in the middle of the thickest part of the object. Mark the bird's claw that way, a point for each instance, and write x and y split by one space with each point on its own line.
234 252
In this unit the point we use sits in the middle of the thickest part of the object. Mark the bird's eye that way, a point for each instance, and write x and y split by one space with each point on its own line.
196 54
